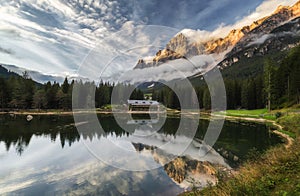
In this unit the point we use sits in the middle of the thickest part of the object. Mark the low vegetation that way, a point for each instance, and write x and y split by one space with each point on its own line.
258 113
291 123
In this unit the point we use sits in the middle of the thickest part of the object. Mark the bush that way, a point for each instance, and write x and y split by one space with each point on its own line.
278 115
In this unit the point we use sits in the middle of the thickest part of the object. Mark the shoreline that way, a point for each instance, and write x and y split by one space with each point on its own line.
289 140
77 112
203 115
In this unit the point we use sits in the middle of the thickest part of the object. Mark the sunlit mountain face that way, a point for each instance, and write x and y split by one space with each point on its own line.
54 36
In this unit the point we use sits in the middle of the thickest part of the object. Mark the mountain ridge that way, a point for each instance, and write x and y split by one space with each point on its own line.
235 41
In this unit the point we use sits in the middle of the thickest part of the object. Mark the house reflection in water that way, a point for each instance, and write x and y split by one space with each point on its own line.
143 119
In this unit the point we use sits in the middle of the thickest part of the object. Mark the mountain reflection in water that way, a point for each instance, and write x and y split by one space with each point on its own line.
47 155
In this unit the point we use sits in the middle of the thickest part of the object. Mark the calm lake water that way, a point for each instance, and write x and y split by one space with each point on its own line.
48 156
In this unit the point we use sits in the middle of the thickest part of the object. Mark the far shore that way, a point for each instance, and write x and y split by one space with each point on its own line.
61 112
203 115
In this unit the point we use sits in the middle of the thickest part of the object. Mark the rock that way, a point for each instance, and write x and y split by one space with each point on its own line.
225 154
235 158
176 169
162 56
29 118
235 60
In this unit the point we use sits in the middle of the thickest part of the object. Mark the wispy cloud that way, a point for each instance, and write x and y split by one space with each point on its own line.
54 36
6 51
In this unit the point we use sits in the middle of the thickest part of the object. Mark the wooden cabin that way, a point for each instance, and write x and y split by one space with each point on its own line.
142 105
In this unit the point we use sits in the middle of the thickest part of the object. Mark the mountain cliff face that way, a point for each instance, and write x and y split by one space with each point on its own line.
277 31
161 57
283 37
282 15
181 44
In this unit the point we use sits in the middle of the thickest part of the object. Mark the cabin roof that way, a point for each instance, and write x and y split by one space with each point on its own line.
142 102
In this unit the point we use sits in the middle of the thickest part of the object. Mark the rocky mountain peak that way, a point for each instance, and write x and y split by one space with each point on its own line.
186 47
281 8
296 9
162 56
246 34
282 15
179 43
183 46
165 55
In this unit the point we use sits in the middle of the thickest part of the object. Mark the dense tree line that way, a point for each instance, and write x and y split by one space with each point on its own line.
283 84
239 94
23 93
89 95
278 86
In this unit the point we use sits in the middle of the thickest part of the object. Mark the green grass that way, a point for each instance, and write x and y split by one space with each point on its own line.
258 113
148 94
290 123
248 112
289 133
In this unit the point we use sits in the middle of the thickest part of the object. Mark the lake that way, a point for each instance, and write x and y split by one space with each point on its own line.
49 156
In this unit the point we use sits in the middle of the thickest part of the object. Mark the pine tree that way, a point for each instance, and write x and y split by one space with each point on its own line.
244 94
294 74
230 94
269 75
65 86
259 92
4 95
39 99
199 92
206 99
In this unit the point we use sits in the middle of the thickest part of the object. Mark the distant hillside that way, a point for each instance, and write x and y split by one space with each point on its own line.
4 73
37 76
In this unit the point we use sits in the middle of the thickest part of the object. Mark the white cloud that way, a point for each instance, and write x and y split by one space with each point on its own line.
260 40
120 51
176 69
46 48
197 35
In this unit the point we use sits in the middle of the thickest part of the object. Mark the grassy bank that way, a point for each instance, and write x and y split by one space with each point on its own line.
259 113
276 172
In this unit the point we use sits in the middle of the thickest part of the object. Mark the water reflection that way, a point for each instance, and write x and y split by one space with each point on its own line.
51 158
17 132
238 138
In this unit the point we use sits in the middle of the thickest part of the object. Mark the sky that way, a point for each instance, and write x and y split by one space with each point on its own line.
60 37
